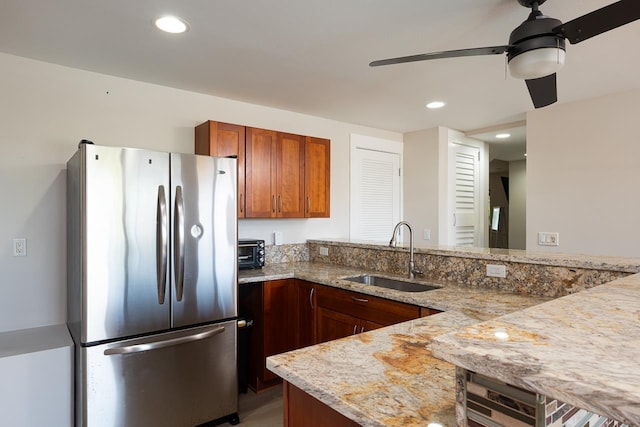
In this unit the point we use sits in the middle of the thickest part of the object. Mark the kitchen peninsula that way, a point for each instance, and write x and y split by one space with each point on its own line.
389 376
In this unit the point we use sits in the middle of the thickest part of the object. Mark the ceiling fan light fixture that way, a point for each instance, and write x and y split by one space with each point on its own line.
537 63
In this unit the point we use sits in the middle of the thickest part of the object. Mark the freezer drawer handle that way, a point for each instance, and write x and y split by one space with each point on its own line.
137 348
178 243
161 244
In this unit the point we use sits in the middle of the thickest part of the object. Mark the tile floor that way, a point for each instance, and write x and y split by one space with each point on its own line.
261 410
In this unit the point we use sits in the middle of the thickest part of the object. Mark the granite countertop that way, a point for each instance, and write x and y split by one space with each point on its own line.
388 376
385 377
581 349
481 304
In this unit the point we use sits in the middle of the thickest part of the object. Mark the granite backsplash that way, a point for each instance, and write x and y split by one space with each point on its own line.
277 254
530 277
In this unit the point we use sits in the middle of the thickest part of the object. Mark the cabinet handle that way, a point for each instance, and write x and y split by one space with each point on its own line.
362 330
311 297
280 196
241 202
355 329
274 203
360 299
308 204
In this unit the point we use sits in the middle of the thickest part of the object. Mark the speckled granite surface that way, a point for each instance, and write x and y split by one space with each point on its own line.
582 349
386 377
551 275
481 304
579 348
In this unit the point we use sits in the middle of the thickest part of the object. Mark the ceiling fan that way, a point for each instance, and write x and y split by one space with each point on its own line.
536 48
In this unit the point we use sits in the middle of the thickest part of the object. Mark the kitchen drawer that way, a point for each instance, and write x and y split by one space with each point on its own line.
367 307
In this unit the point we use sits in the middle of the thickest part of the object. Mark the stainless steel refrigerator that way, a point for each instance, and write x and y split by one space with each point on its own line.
152 293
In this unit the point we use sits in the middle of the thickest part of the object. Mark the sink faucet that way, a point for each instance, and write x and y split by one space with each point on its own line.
392 243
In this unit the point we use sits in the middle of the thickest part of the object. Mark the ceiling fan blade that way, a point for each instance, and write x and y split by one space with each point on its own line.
599 21
543 91
493 50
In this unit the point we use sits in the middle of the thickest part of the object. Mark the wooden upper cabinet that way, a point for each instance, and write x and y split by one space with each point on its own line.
317 190
290 176
280 175
224 139
274 174
259 166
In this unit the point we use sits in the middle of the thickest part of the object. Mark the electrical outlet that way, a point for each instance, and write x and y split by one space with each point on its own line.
277 238
324 251
548 238
20 247
494 270
426 234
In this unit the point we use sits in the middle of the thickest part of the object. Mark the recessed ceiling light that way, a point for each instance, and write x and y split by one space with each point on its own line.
435 104
171 24
503 135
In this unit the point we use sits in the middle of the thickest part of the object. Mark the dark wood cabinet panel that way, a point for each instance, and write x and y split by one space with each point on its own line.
305 309
425 311
331 325
224 139
270 306
367 307
302 409
317 180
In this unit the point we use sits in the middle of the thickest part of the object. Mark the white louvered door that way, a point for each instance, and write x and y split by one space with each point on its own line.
375 198
464 195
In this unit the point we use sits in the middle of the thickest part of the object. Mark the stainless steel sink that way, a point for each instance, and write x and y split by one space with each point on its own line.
385 282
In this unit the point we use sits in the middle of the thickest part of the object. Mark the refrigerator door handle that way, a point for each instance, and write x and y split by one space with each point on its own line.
137 348
161 244
178 243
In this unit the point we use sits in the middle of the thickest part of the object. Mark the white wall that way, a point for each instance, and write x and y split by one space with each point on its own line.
583 175
518 204
421 182
46 109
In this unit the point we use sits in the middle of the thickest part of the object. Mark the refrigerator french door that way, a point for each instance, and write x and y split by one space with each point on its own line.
152 297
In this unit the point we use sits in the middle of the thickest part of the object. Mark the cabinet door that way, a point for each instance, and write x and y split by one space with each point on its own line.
305 322
260 181
224 139
331 325
317 165
290 175
367 325
278 325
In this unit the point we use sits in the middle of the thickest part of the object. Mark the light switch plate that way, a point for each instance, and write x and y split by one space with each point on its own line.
548 238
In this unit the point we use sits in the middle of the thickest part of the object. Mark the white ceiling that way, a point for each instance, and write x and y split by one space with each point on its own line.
312 56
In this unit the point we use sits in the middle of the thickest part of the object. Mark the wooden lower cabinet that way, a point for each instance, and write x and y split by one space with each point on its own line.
305 313
270 306
341 313
293 313
302 409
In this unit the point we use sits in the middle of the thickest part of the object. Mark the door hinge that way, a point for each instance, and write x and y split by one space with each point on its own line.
399 174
